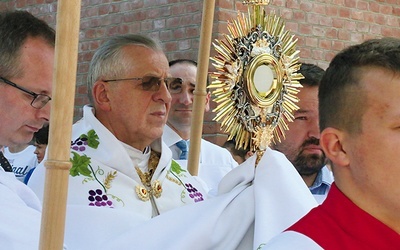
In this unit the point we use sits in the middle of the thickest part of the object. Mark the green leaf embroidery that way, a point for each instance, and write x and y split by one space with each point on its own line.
176 168
92 138
80 165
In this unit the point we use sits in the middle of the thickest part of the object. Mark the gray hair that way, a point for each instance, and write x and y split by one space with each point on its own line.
110 62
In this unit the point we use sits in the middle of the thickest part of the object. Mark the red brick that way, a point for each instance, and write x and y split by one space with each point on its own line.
152 13
362 5
318 31
293 27
344 12
306 6
21 3
356 37
177 9
376 29
123 29
326 21
300 40
380 19
396 11
166 35
305 29
393 21
192 31
146 25
318 54
331 33
332 11
105 9
194 7
344 35
337 45
325 44
288 14
338 22
279 2
171 46
299 16
363 27
305 53
322 27
387 31
357 15
312 18
81 90
311 41
350 3
184 44
350 25
374 6
387 10
91 12
319 8
369 17
134 27
173 22
292 4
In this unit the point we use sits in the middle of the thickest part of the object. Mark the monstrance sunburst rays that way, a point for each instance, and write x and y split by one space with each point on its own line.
255 82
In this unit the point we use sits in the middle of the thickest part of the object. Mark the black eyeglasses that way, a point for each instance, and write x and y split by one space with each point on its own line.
149 83
39 100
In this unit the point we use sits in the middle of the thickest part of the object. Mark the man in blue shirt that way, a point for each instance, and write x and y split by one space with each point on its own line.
301 143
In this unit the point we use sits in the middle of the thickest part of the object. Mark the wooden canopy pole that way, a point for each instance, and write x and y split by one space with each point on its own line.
200 91
58 164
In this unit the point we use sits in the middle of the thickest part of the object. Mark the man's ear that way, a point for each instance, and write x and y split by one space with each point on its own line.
332 142
100 94
207 105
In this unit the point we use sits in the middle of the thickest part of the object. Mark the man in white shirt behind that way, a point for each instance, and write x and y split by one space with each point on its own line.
215 161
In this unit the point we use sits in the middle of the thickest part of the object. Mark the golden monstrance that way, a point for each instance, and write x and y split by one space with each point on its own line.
255 83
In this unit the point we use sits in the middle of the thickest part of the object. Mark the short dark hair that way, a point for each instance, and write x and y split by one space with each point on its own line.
42 135
342 101
180 61
312 74
15 28
186 61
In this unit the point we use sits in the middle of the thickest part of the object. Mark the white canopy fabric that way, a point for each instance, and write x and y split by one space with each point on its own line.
253 205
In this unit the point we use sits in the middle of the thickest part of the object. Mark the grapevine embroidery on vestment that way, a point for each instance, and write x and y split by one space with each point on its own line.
91 139
177 171
81 167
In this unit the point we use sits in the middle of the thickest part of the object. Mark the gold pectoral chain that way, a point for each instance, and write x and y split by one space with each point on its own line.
153 189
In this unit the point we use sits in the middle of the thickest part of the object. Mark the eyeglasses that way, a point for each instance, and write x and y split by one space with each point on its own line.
39 100
149 83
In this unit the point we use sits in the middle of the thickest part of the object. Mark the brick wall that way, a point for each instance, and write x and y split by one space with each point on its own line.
322 27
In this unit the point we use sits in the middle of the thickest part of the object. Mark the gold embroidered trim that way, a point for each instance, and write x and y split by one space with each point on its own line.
155 188
173 180
109 178
142 193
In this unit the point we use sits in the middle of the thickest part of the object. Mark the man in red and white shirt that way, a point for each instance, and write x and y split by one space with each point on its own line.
359 100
